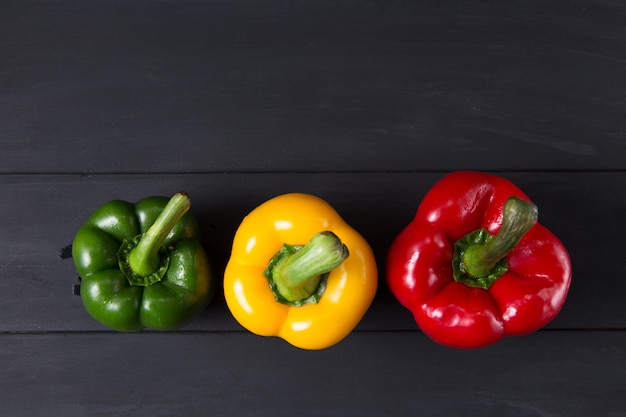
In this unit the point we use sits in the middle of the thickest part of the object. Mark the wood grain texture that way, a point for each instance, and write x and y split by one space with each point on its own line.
369 374
231 86
363 103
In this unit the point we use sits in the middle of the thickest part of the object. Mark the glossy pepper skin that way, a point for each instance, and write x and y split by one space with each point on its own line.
421 265
295 219
165 287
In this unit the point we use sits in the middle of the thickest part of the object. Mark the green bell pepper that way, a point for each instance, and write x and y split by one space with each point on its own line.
142 265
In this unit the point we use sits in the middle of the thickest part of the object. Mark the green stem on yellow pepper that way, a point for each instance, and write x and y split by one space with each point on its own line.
297 273
143 259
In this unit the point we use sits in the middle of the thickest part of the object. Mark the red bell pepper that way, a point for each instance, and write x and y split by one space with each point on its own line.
474 265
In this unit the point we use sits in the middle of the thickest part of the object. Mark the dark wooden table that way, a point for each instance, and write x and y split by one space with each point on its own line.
363 103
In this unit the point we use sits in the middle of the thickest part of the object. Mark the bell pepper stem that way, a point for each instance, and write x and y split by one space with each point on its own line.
517 218
296 275
144 259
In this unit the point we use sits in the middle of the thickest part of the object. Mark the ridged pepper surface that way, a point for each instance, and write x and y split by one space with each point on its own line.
474 265
142 265
298 271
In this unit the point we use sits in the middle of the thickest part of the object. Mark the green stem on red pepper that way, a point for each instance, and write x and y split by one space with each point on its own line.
297 274
480 258
143 259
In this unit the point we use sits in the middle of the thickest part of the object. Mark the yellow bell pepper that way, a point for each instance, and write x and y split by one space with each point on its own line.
298 271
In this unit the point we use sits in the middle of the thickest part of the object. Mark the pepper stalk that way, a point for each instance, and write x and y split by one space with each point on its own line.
144 259
297 274
480 258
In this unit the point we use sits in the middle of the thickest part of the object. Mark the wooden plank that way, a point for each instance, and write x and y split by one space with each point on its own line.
39 214
232 86
551 373
365 104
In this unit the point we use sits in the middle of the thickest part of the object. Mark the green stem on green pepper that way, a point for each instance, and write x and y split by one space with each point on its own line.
143 259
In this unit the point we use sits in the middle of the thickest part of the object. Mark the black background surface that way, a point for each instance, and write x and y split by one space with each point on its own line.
363 103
